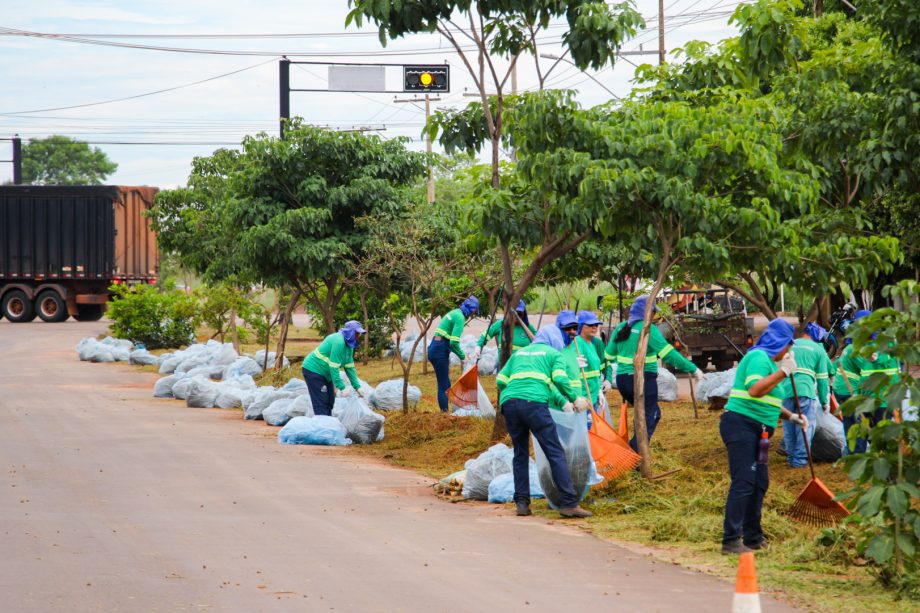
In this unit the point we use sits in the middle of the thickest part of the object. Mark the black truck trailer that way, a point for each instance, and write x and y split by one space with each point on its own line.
62 247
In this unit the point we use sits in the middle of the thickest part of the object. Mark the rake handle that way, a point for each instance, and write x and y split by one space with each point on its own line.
798 410
846 379
584 377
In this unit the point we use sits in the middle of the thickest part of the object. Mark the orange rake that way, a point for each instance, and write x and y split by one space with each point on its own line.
612 454
816 504
465 391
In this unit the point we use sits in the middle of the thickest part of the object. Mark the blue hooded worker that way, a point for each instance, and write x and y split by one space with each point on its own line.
521 337
754 407
321 368
446 340
525 387
568 325
623 345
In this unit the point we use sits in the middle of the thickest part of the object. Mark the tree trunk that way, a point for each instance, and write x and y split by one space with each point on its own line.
367 341
234 332
285 323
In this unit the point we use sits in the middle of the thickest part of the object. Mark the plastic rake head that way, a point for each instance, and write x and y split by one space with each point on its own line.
816 506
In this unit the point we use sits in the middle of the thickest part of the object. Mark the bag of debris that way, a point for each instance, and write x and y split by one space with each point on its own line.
226 355
667 385
181 388
467 345
209 371
488 361
572 429
483 407
263 397
480 472
242 366
388 395
143 357
301 406
295 385
319 430
716 385
502 487
229 397
259 357
276 414
168 365
164 387
361 424
202 393
829 439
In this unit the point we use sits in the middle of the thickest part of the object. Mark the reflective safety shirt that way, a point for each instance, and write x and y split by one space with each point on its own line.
530 372
813 371
852 366
753 367
884 364
331 355
622 353
592 370
521 338
451 328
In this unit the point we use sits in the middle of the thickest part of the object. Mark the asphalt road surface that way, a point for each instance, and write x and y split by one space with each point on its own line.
111 500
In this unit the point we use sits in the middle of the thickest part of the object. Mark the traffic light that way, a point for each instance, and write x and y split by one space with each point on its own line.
426 78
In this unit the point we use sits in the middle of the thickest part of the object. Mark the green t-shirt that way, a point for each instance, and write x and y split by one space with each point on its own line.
622 353
331 355
852 366
813 370
531 372
884 364
451 328
521 338
592 371
753 367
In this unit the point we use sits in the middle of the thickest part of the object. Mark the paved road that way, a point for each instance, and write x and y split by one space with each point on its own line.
111 500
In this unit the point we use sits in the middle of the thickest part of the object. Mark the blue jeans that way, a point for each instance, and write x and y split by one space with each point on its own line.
625 383
750 480
322 399
792 433
521 418
439 356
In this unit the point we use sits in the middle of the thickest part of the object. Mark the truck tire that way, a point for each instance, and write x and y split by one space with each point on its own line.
89 312
51 307
17 307
724 363
700 361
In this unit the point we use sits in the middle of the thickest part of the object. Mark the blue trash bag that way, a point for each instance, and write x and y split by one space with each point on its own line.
572 429
319 430
502 487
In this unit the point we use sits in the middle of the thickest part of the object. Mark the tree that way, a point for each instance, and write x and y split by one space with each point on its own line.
59 160
294 203
501 33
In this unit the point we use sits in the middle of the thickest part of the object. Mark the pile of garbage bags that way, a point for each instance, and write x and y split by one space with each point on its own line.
388 395
502 487
716 385
107 350
319 430
480 472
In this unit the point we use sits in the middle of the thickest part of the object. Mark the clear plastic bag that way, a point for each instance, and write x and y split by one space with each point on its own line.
480 472
143 357
388 395
361 424
276 414
572 429
202 393
502 487
319 430
164 387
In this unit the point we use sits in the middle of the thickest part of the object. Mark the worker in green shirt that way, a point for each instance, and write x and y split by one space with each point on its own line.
622 348
524 388
521 338
446 340
587 351
321 368
811 385
754 406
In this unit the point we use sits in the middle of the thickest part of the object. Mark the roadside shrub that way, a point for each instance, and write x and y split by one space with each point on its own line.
153 316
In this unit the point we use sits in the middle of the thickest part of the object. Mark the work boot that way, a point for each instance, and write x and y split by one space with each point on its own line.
735 546
575 512
523 508
757 545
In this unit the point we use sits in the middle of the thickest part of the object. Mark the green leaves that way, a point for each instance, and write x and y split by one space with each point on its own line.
59 160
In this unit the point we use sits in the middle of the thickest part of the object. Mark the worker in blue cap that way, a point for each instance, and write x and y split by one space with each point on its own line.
812 379
568 324
622 348
321 368
446 340
588 351
754 406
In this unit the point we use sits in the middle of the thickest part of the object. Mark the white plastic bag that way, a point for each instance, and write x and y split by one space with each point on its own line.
572 429
361 424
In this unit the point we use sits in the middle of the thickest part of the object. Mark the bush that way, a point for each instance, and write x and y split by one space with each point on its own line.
153 316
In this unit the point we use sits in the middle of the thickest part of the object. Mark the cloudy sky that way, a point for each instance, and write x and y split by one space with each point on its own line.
94 86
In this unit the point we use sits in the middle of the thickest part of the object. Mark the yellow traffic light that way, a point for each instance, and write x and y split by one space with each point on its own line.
426 79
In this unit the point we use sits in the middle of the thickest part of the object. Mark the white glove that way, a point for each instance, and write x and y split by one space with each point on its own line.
800 420
827 407
698 375
568 407
788 364
582 362
873 357
582 404
345 393
477 353
606 386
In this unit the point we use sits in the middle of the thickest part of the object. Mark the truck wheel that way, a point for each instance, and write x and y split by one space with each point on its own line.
17 307
89 312
725 364
700 361
51 307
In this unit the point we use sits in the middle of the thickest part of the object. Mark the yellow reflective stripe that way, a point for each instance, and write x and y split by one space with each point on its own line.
770 400
805 371
560 373
668 349
609 356
335 365
850 375
651 359
887 371
502 378
821 375
349 365
590 374
516 347
753 378
539 376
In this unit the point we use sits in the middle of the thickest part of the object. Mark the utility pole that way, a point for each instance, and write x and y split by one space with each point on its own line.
17 160
661 32
284 93
427 100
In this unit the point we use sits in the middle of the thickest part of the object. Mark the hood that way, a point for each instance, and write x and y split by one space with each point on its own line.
815 332
522 312
637 310
776 337
470 306
550 335
350 331
563 319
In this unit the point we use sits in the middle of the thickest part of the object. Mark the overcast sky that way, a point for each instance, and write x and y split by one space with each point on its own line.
39 74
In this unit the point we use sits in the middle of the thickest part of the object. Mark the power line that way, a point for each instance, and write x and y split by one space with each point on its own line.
159 91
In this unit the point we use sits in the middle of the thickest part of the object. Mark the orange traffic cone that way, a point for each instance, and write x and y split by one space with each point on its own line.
747 599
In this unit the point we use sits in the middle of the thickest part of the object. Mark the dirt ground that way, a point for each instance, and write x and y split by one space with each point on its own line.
113 500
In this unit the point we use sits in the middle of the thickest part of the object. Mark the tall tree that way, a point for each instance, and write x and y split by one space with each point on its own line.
59 160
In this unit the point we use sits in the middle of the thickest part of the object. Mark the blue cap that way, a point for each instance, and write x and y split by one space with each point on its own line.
521 307
565 319
637 310
588 318
470 306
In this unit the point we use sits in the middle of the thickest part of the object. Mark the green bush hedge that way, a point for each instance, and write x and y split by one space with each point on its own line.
153 316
